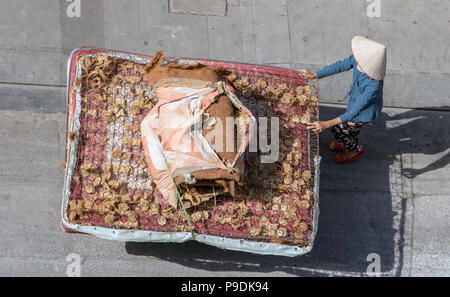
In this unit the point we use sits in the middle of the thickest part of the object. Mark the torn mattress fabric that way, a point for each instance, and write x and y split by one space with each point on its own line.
172 132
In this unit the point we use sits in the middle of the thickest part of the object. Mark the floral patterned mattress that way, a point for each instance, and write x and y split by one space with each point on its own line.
109 193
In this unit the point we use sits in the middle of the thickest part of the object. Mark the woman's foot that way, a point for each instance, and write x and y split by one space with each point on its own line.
335 146
348 156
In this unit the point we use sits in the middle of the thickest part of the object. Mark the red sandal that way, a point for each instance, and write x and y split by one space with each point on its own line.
343 158
337 147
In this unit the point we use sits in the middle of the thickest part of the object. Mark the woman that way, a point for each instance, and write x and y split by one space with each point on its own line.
368 61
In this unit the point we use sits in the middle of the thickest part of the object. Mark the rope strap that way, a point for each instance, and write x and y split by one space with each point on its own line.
179 199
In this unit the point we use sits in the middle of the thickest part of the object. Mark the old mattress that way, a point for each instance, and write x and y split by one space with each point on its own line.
109 193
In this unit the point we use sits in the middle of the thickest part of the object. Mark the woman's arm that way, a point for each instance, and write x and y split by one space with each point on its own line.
339 66
370 93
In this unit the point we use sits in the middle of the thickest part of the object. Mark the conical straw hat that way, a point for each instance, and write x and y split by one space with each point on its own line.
370 56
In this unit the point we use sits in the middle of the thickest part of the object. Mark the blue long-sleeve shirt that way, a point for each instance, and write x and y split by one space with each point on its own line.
366 94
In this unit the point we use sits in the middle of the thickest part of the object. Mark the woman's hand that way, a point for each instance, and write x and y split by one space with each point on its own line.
308 74
318 127
323 125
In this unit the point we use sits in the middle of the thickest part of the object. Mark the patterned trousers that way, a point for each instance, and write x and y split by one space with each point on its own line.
347 134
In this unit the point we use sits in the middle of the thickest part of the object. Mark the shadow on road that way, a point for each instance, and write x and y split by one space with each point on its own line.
357 205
